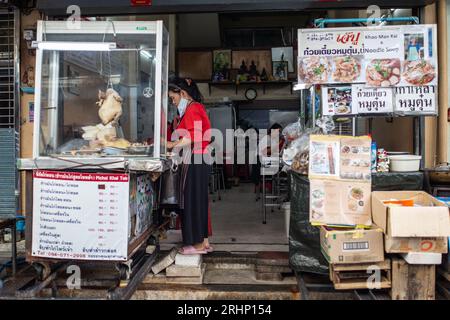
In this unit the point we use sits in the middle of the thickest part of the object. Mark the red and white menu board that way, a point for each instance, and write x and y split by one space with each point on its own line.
82 216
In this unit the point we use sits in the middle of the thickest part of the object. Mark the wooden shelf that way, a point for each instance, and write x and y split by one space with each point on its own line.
248 83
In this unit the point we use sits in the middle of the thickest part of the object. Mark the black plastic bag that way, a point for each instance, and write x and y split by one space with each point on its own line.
170 186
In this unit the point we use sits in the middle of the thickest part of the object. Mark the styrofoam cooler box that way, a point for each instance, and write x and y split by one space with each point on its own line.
422 258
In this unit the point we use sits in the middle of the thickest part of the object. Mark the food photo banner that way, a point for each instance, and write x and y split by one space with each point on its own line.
375 56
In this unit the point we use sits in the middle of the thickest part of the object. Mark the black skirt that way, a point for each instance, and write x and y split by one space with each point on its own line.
194 219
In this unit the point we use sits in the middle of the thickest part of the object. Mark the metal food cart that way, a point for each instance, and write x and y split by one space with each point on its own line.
91 191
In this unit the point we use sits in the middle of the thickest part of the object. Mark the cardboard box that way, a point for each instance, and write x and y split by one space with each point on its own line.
421 228
340 203
352 245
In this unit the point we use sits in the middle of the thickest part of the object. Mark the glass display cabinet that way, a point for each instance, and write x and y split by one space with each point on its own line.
99 141
101 91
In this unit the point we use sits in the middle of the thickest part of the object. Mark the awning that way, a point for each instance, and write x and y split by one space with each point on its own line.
116 7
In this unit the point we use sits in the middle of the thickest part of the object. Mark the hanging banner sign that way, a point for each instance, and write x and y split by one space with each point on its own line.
374 56
82 216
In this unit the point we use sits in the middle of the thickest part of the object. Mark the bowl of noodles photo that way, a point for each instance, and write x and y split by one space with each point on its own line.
314 69
356 193
419 72
346 69
383 72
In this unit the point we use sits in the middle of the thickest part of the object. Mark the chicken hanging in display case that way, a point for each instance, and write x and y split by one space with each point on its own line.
104 134
110 103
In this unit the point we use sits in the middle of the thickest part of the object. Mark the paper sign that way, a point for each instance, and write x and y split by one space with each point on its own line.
340 202
372 100
81 216
324 156
416 100
340 157
337 101
355 158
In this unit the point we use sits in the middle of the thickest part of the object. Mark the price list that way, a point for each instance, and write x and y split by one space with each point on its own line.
80 215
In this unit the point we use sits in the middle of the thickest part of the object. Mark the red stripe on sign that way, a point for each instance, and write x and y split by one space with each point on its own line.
81 176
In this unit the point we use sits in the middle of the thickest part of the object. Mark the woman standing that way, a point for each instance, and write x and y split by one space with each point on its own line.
193 124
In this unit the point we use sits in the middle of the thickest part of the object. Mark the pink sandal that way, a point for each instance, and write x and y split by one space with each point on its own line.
209 249
189 250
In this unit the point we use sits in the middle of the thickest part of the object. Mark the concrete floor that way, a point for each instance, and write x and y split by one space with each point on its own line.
237 224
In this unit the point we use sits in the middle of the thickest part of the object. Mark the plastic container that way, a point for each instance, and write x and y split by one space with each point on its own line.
404 163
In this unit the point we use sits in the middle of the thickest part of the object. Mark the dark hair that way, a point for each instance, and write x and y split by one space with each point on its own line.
275 126
188 85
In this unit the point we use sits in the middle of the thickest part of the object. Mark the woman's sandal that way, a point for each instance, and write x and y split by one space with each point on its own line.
209 249
189 250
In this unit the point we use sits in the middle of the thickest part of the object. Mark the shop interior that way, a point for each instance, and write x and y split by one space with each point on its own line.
231 47
244 40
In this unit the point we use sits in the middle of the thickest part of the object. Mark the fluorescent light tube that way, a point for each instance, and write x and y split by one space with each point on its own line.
75 46
147 54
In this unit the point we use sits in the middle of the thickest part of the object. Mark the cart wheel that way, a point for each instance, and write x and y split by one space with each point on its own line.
123 273
42 269
124 269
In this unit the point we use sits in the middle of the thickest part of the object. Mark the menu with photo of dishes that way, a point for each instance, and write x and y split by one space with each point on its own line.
324 156
337 100
339 202
355 158
340 180
340 157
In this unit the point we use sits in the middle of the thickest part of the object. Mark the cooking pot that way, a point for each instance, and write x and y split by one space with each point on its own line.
440 174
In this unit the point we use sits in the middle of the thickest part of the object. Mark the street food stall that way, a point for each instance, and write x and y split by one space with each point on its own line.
99 142
348 77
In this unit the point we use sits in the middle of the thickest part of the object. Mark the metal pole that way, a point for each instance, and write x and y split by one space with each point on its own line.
321 22
313 105
263 194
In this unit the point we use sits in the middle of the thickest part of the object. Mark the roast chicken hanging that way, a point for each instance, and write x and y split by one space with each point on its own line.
104 134
110 104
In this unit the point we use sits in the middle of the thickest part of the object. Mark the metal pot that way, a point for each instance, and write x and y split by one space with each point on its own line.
440 174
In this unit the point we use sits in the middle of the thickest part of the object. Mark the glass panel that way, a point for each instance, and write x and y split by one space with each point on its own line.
70 119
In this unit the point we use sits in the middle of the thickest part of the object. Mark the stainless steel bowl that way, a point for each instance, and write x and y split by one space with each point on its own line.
140 150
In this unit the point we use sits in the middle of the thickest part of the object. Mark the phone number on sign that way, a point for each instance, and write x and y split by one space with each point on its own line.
62 255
